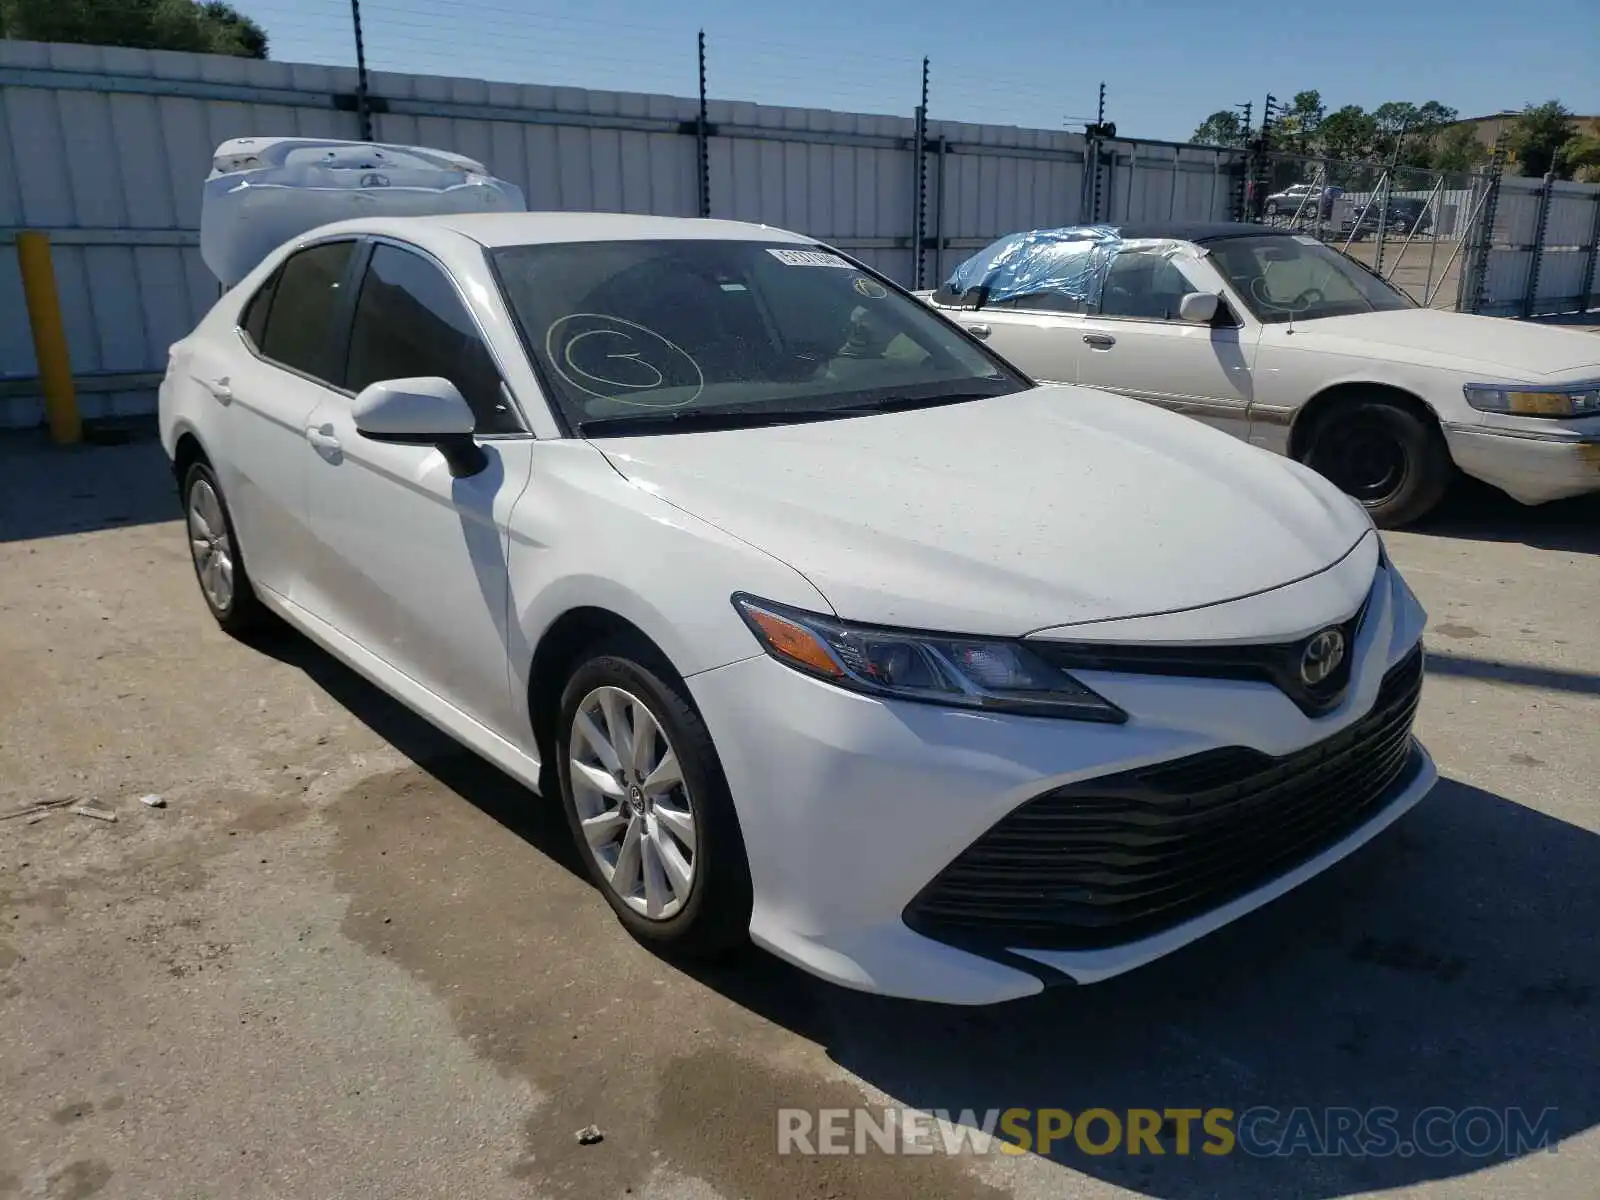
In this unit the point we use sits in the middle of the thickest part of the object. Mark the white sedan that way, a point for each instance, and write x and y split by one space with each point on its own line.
1273 337
828 629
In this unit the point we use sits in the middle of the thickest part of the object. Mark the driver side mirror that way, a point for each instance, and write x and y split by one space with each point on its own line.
1198 308
424 411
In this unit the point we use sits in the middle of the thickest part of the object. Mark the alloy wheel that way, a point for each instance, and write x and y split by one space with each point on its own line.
210 545
632 802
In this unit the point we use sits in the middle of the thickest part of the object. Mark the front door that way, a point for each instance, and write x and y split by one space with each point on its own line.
1040 333
1134 343
411 562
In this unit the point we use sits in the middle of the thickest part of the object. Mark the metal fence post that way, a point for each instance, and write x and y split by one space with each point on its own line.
702 136
1472 291
363 105
938 221
1541 227
1386 193
1587 291
919 188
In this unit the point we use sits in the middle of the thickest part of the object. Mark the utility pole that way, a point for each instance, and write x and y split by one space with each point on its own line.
363 108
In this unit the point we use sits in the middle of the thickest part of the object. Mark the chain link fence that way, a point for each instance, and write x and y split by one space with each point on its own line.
1411 225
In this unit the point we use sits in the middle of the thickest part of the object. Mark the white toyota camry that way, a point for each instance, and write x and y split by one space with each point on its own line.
828 628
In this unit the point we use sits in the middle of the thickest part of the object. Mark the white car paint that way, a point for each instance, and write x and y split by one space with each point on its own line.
1055 512
1256 381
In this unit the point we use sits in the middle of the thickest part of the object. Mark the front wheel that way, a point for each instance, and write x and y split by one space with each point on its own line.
1390 458
648 804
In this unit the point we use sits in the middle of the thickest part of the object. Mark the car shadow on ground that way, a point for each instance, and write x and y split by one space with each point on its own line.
1450 964
475 779
1476 512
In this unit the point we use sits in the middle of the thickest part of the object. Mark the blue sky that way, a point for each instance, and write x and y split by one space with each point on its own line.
1166 63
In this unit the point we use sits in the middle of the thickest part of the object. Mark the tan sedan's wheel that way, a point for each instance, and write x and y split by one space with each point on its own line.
1385 455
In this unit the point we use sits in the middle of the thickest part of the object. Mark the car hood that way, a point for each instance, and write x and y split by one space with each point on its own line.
1052 506
1516 350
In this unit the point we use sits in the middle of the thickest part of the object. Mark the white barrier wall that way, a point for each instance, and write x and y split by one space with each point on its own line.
106 148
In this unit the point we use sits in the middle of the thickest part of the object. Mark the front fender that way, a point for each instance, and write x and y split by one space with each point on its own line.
583 536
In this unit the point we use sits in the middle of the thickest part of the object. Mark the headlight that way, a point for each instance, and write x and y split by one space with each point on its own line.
994 675
1562 400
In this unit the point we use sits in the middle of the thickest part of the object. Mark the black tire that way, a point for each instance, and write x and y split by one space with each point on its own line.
1385 454
242 612
716 917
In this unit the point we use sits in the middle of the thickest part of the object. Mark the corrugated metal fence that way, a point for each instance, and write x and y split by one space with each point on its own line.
1542 253
106 148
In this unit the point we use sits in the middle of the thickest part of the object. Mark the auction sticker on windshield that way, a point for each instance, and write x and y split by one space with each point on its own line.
809 258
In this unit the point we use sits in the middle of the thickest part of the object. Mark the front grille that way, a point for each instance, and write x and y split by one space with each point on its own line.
1277 663
1114 859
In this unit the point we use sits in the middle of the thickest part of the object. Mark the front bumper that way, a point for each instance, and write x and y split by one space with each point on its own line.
850 806
1533 467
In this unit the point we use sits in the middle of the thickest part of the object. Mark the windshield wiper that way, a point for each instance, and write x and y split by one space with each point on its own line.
902 403
693 420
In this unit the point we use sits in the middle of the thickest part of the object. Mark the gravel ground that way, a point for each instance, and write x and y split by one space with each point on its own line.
348 959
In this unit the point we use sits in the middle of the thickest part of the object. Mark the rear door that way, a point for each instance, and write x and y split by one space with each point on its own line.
1135 344
266 396
411 562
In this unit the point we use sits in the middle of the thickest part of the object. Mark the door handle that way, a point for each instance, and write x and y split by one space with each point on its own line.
220 389
325 442
1100 341
979 331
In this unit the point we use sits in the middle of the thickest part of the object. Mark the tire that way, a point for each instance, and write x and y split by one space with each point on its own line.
214 552
1389 457
617 680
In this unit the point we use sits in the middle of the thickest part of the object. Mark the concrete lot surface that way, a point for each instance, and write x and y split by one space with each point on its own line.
348 959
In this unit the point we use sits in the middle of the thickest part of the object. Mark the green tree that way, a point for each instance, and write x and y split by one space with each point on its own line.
1350 133
1580 158
1537 137
1458 148
1298 124
212 28
1222 128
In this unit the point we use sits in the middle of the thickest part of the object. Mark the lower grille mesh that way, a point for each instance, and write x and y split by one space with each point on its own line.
1121 857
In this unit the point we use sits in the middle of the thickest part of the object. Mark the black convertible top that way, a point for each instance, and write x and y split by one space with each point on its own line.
1196 231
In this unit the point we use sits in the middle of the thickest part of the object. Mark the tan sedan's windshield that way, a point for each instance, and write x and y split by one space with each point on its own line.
1294 278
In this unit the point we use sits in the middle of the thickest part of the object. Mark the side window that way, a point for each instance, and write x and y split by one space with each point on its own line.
409 321
254 318
299 324
1143 286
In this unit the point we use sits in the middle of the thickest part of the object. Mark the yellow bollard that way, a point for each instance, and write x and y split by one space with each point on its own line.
49 336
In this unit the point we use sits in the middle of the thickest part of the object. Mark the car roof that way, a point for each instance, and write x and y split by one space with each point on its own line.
522 228
1195 231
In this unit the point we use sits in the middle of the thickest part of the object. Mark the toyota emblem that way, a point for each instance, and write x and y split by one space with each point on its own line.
1321 657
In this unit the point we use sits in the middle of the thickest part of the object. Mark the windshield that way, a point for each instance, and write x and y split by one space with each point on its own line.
694 333
1295 278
